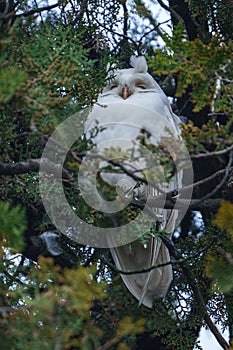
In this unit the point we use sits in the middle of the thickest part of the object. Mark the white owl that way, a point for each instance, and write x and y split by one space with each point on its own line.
130 103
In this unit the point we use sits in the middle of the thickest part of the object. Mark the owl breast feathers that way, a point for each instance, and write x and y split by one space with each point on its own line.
130 103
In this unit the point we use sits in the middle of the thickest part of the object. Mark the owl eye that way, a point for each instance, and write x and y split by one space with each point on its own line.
141 86
113 86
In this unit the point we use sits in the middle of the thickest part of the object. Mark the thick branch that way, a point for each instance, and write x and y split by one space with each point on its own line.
126 18
32 165
194 204
83 8
201 305
181 7
171 10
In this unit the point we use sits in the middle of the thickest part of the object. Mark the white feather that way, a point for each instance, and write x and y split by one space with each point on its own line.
112 108
139 64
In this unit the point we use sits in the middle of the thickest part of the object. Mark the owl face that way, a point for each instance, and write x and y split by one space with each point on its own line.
127 82
136 86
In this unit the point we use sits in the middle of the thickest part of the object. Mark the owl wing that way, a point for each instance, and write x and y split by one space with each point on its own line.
148 286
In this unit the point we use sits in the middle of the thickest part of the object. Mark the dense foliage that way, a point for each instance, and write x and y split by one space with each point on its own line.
56 293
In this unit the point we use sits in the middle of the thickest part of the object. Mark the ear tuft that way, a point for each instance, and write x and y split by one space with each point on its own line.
139 64
111 69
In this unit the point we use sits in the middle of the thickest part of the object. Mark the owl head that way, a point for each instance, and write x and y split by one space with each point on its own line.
126 82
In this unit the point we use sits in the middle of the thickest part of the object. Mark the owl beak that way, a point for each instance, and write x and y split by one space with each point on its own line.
125 93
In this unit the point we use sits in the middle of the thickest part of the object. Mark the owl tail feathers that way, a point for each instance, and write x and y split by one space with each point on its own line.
146 286
160 280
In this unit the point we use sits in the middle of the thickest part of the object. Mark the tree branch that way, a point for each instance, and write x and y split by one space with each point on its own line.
171 10
37 10
138 271
202 307
194 204
146 13
126 18
197 293
33 165
202 182
222 182
212 154
179 260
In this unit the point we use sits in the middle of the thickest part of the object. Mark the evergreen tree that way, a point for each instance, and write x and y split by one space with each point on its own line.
55 292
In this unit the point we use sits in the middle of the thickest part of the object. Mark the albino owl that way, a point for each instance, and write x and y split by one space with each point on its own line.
130 103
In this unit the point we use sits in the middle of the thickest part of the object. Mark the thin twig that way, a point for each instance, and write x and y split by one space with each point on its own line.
138 271
123 168
135 43
177 261
37 10
222 182
202 182
147 14
212 154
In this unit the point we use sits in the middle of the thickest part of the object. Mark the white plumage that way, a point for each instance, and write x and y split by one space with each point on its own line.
133 101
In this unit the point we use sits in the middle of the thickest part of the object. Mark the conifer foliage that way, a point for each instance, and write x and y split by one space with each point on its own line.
56 293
